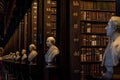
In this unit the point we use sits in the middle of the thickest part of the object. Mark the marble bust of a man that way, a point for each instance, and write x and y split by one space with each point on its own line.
111 55
17 58
24 56
53 51
33 54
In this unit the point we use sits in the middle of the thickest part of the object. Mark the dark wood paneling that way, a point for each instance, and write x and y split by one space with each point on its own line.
118 7
62 38
74 40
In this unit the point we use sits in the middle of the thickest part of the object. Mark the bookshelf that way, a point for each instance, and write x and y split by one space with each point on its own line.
88 19
75 40
25 30
50 19
49 27
34 21
94 15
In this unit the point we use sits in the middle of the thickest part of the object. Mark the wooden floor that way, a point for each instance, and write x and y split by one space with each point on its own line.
4 75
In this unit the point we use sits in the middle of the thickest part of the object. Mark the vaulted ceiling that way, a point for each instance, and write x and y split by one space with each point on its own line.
11 12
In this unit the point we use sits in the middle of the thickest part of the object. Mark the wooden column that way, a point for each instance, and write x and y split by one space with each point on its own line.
62 38
118 7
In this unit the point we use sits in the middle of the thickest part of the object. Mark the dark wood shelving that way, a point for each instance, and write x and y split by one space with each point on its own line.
100 0
86 33
94 16
90 62
94 21
93 46
97 10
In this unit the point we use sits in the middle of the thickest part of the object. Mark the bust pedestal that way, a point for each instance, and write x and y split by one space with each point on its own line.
50 65
51 73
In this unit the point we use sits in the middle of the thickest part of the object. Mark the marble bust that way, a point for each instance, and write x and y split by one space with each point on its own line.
53 51
17 54
33 54
24 56
111 55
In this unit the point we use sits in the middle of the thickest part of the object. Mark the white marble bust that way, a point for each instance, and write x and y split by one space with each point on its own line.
17 55
53 51
111 55
10 56
33 54
24 55
13 56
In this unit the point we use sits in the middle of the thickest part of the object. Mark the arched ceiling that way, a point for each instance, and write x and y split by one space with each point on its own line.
11 12
3 7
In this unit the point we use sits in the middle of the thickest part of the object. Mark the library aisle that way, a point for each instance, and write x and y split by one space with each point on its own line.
77 28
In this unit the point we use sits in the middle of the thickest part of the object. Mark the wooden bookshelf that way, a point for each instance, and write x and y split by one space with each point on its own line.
93 20
88 19
50 25
50 18
34 21
75 40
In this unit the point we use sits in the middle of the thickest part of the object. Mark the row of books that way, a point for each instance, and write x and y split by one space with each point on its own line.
92 27
34 22
89 57
51 10
91 54
98 5
51 24
93 40
52 3
95 16
50 17
91 69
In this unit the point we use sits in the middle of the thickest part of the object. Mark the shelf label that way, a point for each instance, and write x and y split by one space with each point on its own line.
75 26
48 1
76 39
75 3
77 71
76 53
75 13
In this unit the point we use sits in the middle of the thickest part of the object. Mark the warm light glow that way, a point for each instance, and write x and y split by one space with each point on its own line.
48 24
48 17
35 11
26 14
35 7
35 22
35 3
48 9
34 40
48 2
35 28
35 35
35 17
